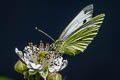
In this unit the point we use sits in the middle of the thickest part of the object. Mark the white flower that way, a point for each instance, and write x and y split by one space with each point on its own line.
42 57
57 64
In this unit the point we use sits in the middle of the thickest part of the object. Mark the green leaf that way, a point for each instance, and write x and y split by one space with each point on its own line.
4 78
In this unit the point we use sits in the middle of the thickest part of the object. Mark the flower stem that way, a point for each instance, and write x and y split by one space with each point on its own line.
30 78
37 76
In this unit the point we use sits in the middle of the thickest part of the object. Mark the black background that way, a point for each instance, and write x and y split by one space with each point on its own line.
100 61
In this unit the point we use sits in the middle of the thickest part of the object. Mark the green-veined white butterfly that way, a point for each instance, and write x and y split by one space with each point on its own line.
79 33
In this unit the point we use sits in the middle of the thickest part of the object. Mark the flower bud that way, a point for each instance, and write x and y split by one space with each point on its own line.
54 76
20 66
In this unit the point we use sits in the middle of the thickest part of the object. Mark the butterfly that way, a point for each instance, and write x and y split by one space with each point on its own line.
79 32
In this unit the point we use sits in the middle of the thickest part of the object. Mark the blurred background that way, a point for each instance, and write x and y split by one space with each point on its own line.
100 61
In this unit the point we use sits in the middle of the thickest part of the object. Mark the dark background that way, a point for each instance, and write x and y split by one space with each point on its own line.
100 61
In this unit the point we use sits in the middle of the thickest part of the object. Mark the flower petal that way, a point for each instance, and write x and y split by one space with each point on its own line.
58 64
19 53
34 66
64 64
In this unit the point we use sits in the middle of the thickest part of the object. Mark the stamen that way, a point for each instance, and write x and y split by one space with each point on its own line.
47 45
30 44
41 44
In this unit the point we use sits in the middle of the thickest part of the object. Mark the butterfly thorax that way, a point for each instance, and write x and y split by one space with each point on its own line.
57 45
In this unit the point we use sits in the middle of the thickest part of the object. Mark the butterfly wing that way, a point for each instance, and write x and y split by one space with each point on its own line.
84 16
79 40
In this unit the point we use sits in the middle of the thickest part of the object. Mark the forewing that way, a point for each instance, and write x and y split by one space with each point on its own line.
78 42
84 16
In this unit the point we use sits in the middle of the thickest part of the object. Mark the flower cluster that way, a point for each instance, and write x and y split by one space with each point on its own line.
42 59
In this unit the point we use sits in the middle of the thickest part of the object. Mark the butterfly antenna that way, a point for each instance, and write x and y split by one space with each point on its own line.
44 33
